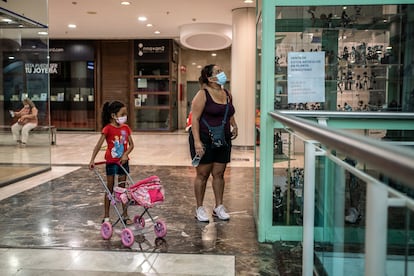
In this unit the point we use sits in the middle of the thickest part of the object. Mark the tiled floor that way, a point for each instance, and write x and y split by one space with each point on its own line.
52 222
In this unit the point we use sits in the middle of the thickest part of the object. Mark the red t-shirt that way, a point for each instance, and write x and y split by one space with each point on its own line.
117 141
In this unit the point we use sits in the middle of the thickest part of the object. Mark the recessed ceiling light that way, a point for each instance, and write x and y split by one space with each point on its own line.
6 20
157 32
72 26
142 18
149 25
125 3
42 33
213 54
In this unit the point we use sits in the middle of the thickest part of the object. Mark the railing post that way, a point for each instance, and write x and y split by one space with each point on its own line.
376 230
339 221
308 209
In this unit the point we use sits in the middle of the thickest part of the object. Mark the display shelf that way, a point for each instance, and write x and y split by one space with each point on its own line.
154 85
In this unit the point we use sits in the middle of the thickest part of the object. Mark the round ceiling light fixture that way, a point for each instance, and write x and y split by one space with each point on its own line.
206 36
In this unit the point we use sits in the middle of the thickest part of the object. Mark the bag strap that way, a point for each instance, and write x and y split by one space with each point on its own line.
223 122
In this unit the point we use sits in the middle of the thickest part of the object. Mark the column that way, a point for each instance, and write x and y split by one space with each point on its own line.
243 73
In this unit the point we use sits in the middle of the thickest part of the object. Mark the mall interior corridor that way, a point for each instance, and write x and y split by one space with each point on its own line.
50 224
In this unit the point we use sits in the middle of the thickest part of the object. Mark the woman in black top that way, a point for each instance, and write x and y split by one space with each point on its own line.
211 103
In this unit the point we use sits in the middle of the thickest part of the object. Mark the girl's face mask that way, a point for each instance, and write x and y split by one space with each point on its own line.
121 120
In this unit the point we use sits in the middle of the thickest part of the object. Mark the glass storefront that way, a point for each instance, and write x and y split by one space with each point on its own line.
72 84
336 58
24 75
344 58
326 58
154 94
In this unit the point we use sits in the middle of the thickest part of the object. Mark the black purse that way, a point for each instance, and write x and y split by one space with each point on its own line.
217 136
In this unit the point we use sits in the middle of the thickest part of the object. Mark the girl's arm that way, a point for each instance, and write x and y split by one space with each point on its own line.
125 157
96 150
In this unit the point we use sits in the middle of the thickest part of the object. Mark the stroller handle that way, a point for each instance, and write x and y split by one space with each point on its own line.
104 162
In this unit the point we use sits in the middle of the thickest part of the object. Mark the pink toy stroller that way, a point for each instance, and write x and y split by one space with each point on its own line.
146 193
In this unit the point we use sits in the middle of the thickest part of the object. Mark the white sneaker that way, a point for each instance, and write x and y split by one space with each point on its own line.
202 215
220 213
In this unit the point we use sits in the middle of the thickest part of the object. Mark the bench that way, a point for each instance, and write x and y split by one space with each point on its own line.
52 130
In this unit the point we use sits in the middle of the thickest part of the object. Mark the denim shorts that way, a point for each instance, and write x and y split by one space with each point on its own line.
115 169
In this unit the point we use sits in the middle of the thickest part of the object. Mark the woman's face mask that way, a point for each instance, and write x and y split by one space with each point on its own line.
121 120
221 78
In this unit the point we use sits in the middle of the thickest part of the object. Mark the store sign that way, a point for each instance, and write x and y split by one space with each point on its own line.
152 49
306 77
41 68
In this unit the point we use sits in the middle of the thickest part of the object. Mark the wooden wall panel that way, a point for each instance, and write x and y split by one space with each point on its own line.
115 76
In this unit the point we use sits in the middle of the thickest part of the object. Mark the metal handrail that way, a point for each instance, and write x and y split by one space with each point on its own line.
350 114
392 160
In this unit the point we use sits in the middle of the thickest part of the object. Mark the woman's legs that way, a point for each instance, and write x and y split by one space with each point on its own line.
16 128
25 131
218 181
200 182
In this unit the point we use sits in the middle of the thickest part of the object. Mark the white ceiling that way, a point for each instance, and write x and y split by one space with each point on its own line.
111 20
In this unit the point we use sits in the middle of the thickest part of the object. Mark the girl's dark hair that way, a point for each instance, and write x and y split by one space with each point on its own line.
108 109
206 72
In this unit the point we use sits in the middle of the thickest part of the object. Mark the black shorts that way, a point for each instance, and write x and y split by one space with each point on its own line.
217 155
115 169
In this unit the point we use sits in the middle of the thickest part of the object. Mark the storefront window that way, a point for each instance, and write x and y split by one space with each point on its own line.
345 58
72 93
328 58
24 82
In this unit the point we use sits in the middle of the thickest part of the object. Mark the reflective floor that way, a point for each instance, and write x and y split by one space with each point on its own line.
51 222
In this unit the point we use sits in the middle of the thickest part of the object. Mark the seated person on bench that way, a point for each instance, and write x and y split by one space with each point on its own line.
27 120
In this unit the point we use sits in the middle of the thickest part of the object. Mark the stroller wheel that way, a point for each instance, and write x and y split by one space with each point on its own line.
139 221
127 237
106 230
160 228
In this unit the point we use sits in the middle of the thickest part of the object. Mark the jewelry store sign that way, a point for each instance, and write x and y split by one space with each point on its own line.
306 77
41 68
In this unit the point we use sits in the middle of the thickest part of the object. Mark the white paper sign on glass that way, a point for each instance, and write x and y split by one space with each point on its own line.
306 77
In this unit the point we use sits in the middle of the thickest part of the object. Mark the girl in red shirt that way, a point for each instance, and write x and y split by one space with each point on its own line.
117 135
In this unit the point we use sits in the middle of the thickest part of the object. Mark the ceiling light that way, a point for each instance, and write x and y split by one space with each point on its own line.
42 33
142 18
6 20
125 3
157 32
149 25
206 36
213 54
248 1
72 26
